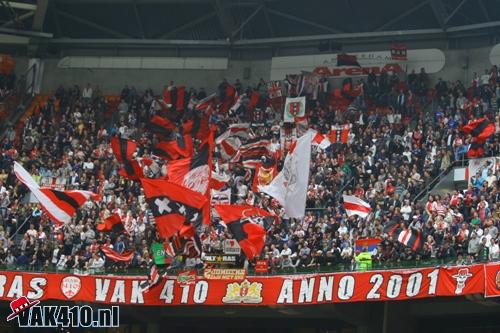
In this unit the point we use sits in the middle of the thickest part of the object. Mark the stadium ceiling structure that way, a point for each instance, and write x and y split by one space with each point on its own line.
243 23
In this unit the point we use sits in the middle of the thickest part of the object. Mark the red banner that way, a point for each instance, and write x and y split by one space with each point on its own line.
492 277
271 290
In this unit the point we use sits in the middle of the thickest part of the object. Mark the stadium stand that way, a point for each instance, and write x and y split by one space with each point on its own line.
390 153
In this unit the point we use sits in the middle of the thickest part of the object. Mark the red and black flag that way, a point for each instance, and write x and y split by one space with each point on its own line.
61 206
181 147
113 223
392 227
240 222
198 126
172 205
227 98
161 126
124 150
480 130
412 238
195 172
347 60
254 100
115 256
67 201
250 154
175 98
153 279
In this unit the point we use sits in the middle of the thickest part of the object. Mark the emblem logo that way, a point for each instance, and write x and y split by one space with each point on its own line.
70 286
461 277
197 179
245 292
294 108
497 280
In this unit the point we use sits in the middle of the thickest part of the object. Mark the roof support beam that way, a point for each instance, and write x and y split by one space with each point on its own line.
268 20
454 11
226 19
188 25
247 20
138 19
303 21
439 12
41 11
55 17
20 5
18 19
484 10
402 15
92 24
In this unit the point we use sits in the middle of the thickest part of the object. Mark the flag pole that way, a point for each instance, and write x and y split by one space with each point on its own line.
22 224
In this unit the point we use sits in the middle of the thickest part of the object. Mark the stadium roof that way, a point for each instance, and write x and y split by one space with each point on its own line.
244 23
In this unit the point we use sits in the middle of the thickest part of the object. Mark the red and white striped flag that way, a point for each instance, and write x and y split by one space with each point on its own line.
355 206
321 141
59 205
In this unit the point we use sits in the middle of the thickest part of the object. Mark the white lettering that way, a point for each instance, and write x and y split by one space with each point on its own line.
185 294
3 280
394 286
167 293
376 280
118 292
306 290
101 289
16 288
325 289
137 296
286 294
346 287
434 280
200 292
414 284
36 284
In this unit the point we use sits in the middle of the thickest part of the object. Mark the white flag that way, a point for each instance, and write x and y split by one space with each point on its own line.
355 206
294 107
290 185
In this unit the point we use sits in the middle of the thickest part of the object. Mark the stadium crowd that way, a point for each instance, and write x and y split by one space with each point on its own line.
404 134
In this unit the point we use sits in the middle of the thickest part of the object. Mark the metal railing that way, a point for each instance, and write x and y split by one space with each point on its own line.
334 268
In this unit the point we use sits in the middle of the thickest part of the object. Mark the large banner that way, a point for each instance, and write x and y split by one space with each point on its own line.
492 280
263 290
432 60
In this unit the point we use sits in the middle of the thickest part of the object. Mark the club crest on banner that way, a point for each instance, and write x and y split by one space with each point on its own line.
497 280
197 179
461 278
70 286
244 292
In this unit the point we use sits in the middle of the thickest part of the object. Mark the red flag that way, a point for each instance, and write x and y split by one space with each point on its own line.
197 127
251 236
68 201
175 149
175 97
124 150
254 100
231 213
115 256
480 129
161 126
172 205
112 223
228 98
194 172
263 175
